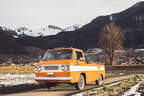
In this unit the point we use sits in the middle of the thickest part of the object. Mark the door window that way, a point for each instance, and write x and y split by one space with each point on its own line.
78 55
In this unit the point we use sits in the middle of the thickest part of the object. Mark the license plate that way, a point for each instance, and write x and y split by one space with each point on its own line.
50 73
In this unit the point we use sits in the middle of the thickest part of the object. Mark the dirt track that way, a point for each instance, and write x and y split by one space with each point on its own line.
63 89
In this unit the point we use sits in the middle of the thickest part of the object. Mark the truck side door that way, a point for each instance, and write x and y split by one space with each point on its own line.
78 56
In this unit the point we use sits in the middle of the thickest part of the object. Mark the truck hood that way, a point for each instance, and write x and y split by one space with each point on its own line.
54 62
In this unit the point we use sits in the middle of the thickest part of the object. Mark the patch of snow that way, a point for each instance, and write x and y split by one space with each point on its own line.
111 17
133 91
16 79
79 94
72 28
137 50
15 36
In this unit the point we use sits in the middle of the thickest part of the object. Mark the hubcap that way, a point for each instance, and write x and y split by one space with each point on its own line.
100 80
81 82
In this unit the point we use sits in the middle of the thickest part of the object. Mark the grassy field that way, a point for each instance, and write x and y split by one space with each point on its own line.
109 70
17 69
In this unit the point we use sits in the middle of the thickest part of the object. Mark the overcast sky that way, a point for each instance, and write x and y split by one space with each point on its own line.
62 13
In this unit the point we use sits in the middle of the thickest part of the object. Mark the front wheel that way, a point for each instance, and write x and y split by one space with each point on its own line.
99 81
81 83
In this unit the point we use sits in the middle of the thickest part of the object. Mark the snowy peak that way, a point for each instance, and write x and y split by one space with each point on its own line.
73 28
44 31
39 31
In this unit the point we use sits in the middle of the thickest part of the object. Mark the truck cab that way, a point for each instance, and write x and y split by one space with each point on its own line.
68 65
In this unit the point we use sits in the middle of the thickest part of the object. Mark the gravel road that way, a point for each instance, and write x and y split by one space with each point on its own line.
63 89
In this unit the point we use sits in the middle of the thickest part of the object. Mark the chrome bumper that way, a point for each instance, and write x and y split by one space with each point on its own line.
53 78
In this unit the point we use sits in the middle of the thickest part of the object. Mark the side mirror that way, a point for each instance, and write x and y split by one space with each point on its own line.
82 59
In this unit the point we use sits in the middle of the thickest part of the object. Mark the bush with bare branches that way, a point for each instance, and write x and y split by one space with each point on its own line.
111 39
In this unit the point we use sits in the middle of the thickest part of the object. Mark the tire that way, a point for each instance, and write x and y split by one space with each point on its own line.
50 84
81 83
99 81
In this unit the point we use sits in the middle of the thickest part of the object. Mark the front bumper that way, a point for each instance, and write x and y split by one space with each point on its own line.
53 78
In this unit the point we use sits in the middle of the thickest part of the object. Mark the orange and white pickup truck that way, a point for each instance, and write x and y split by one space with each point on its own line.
68 65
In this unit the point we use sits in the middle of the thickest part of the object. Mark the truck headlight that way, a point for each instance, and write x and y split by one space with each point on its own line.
38 68
65 68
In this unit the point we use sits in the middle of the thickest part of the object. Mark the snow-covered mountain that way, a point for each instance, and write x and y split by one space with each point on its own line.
39 31
44 31
72 28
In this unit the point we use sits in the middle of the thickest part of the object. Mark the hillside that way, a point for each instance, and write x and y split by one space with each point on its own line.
130 20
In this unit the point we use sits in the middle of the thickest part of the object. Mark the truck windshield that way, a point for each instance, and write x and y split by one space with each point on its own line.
57 55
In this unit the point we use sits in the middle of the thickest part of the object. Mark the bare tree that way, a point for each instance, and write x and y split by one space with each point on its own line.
111 38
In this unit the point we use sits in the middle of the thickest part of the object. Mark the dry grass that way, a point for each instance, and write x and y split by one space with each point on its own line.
30 69
17 69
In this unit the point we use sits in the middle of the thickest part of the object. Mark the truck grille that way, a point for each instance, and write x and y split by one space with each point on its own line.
51 67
